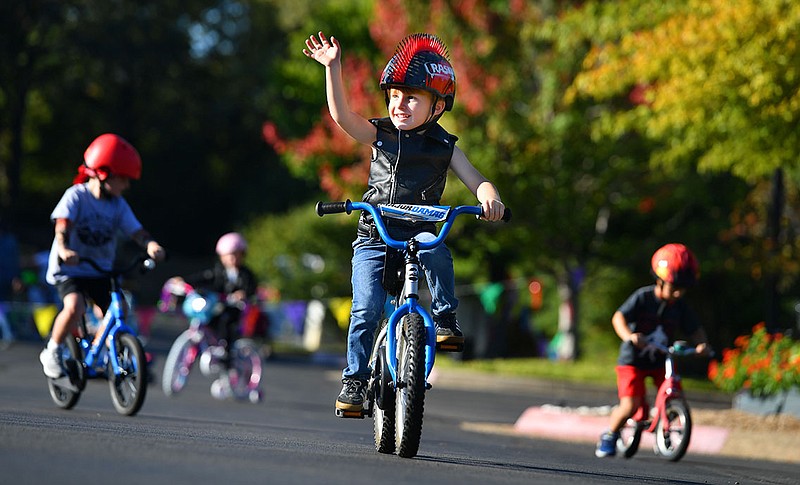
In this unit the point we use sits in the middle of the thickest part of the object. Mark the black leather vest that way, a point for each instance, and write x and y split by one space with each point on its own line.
407 168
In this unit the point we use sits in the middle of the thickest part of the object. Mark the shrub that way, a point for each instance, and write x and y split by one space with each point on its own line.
763 363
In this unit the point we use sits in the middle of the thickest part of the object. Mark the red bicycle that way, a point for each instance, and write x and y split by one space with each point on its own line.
670 420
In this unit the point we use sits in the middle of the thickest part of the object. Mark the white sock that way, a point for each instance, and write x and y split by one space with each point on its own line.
52 345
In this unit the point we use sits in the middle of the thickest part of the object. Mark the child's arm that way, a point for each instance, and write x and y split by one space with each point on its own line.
154 250
700 340
329 54
67 255
484 190
623 332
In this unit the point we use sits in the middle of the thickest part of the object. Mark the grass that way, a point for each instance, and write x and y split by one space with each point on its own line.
597 370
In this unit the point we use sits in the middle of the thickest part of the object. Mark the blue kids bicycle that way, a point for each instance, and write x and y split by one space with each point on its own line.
118 355
404 347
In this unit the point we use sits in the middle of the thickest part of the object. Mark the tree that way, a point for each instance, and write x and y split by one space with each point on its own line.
716 88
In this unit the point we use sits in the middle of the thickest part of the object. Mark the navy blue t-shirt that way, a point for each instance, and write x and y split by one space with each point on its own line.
658 321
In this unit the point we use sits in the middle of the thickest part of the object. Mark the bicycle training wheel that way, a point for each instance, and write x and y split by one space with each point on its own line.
247 362
673 440
67 396
129 387
410 397
179 363
630 435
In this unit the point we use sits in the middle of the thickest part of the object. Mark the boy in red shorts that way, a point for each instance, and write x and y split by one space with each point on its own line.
652 314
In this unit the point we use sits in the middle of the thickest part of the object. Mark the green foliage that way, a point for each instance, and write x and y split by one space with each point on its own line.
301 254
719 80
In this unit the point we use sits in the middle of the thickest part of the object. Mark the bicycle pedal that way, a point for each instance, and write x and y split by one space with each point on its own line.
448 347
341 413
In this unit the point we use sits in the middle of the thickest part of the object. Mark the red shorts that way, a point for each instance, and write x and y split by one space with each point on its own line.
630 380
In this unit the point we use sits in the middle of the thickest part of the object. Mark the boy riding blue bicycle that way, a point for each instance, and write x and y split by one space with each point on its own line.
87 219
411 154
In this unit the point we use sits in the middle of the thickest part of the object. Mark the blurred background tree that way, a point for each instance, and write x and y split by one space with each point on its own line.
610 128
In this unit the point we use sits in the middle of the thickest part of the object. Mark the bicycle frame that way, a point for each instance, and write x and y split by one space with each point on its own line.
113 322
670 406
410 293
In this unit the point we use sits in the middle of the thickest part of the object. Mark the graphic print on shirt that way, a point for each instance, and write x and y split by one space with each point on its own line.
95 230
658 336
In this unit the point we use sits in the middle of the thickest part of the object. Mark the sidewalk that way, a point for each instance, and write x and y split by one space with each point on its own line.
717 429
579 413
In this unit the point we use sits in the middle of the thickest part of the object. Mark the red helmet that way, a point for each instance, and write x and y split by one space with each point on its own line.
675 264
421 61
230 243
111 154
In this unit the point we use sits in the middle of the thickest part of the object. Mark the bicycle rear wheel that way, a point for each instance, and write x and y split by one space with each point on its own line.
129 387
67 395
673 440
630 435
178 365
410 396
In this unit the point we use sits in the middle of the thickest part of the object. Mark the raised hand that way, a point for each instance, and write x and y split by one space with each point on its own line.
322 50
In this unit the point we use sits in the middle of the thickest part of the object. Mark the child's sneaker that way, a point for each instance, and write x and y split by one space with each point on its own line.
221 388
448 333
50 358
353 394
607 445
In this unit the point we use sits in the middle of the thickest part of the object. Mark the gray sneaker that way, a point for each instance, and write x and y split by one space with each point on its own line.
448 334
51 362
353 395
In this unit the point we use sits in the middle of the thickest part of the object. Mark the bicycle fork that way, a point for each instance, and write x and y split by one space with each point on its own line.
410 295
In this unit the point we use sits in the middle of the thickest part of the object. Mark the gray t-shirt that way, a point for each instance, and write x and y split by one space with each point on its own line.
95 223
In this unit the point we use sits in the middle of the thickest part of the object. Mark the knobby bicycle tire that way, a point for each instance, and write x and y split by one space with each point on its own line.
410 397
381 397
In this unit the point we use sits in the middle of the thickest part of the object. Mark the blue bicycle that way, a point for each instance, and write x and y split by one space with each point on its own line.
118 355
404 347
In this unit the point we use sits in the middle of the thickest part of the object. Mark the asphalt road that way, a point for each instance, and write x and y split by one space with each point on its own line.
294 437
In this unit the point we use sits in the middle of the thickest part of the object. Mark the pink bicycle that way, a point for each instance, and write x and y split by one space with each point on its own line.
670 420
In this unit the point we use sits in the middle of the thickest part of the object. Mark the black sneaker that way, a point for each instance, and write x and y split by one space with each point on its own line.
448 334
353 395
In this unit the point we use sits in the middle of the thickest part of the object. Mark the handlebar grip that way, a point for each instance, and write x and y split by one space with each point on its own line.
323 208
506 215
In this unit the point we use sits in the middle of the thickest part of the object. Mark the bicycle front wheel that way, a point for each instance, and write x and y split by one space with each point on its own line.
672 440
410 395
129 387
180 359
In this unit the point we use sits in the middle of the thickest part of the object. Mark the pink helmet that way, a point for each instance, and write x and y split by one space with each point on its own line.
231 243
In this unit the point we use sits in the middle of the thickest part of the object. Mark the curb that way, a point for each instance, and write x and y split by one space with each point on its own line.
587 424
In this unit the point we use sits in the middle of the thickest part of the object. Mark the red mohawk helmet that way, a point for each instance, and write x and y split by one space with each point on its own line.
675 264
112 154
421 61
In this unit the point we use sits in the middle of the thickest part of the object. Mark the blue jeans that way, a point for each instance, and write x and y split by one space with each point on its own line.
369 296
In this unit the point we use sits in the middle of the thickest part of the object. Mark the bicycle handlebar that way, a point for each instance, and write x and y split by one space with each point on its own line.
323 208
147 263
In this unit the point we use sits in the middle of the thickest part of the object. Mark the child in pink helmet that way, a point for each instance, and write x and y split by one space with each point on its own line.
236 281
